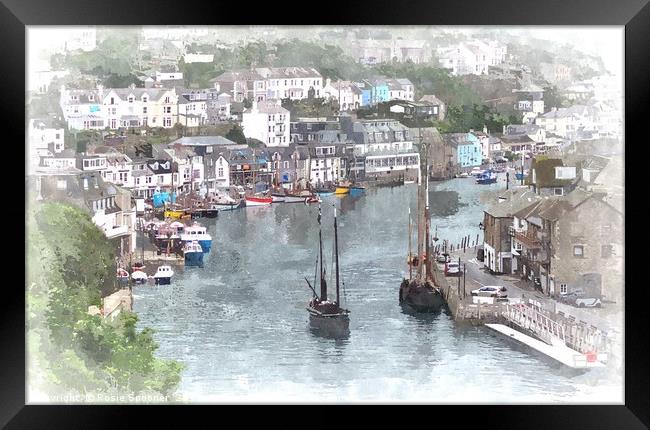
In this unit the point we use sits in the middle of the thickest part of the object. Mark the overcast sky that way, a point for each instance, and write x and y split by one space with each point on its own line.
608 42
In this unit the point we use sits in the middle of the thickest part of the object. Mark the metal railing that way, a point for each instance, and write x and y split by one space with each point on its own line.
531 319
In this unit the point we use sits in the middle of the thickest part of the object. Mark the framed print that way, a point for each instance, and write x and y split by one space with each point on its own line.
419 205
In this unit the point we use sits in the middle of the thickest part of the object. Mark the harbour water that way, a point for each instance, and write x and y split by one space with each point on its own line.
240 327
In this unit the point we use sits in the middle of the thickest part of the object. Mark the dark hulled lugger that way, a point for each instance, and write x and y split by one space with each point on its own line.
327 317
419 292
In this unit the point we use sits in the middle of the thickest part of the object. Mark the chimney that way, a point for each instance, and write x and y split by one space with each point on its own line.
327 82
485 130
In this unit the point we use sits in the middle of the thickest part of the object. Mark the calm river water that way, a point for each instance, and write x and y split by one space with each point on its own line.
240 327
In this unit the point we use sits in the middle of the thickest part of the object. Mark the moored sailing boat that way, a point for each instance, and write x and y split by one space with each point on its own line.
326 317
420 293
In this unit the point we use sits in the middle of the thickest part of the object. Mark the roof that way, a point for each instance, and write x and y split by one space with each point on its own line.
238 75
160 166
287 72
456 139
514 129
430 98
545 173
512 201
203 141
267 107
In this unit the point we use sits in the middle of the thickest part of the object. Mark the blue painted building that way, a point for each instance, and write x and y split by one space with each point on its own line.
468 148
380 91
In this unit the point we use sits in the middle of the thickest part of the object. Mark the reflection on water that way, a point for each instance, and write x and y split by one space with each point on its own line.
240 327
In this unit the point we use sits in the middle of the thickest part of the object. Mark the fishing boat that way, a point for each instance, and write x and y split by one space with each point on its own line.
139 277
324 191
488 177
224 202
327 317
197 233
341 190
174 213
419 293
122 276
163 275
193 254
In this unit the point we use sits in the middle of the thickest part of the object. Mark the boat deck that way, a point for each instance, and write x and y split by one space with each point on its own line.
557 351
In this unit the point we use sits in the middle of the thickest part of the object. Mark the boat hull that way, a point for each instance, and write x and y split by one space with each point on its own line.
295 199
206 213
329 325
163 280
258 201
206 245
174 214
420 298
229 206
342 190
486 181
194 259
278 199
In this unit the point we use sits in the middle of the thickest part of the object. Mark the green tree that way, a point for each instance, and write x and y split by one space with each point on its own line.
236 134
70 267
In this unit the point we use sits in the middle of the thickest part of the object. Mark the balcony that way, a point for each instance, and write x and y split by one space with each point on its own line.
116 231
527 240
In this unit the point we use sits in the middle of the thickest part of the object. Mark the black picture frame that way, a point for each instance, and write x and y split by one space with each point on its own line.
15 15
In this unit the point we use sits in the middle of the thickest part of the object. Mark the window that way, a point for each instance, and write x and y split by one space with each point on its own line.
606 251
220 172
563 289
60 184
167 99
558 191
578 250
112 100
144 99
144 109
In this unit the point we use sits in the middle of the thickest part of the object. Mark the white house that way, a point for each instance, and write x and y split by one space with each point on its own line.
83 109
119 169
472 57
222 172
346 92
139 107
268 122
291 82
192 113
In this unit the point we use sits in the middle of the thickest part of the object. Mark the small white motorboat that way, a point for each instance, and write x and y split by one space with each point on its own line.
163 275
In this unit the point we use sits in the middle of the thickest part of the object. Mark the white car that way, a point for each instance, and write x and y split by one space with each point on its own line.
452 268
491 291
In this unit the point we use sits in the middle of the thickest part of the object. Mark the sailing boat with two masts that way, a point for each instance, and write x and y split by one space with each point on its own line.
419 292
325 316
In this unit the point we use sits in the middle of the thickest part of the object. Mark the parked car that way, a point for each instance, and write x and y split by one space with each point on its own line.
480 253
442 258
580 299
452 268
491 291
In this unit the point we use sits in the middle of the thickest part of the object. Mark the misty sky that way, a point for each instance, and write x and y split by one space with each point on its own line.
605 41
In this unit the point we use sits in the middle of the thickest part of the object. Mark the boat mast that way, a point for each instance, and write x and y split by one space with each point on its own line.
427 223
410 261
336 253
422 211
323 284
